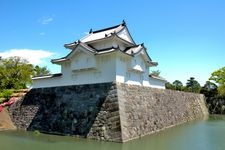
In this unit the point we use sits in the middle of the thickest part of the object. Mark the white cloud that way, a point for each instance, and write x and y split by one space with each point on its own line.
45 20
35 57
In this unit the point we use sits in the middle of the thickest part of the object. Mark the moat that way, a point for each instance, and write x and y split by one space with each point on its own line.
202 134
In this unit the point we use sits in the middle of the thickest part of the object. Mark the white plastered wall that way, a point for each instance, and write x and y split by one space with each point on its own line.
102 71
156 83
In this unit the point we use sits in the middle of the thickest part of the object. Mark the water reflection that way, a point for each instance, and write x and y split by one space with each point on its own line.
207 135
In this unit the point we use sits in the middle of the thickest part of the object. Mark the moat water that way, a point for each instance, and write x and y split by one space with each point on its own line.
197 135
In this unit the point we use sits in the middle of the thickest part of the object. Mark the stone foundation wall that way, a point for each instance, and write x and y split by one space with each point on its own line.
107 111
82 110
145 110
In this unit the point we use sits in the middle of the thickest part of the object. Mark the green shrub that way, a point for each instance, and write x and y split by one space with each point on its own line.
6 93
2 100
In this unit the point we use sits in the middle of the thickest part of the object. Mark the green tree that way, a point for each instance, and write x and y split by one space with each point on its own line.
15 73
218 77
192 85
209 89
169 86
178 85
40 71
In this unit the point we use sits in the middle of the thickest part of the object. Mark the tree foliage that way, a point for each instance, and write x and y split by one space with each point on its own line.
40 71
15 73
218 77
178 85
169 86
192 85
209 89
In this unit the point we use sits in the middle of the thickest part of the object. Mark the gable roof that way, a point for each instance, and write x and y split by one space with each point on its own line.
105 33
136 50
115 33
125 30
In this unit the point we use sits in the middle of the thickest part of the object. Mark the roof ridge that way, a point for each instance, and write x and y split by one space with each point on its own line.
108 28
104 29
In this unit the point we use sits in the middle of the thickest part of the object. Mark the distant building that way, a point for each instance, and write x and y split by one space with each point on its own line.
104 55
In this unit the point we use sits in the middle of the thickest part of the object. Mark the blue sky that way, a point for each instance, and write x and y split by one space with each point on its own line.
186 37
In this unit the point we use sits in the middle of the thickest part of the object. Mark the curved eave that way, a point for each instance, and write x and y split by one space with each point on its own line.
139 47
70 45
113 49
106 51
47 76
158 78
58 61
152 64
66 58
74 44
